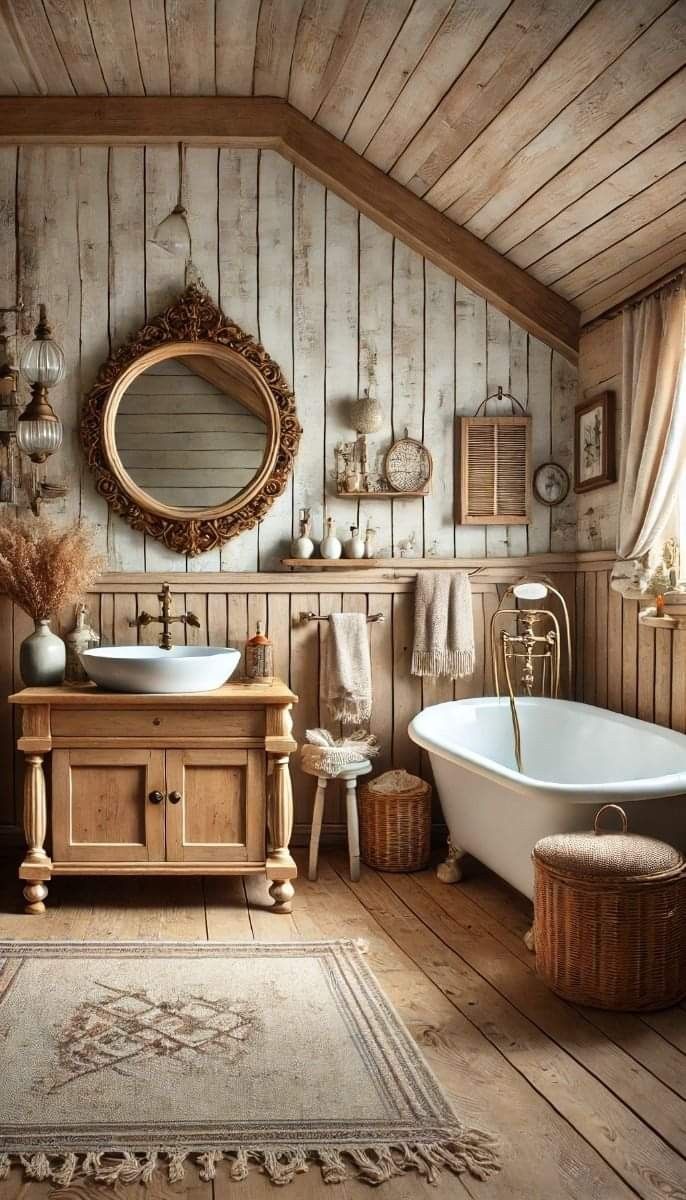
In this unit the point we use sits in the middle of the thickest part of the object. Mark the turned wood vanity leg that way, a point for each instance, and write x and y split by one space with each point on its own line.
35 869
280 828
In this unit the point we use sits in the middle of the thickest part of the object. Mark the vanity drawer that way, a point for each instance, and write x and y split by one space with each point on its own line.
158 723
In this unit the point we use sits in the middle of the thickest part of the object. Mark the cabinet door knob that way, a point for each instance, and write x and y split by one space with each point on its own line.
175 797
155 797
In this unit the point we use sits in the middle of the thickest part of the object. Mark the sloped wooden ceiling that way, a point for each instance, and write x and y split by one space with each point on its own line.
552 130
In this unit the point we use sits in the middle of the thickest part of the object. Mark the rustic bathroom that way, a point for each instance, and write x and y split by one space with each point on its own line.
343 599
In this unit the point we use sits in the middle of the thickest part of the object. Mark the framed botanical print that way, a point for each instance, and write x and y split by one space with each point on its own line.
594 443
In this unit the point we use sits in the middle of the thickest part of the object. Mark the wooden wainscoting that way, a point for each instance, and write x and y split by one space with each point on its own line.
621 664
228 607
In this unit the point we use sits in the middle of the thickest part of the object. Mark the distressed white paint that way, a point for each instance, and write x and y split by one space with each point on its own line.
337 303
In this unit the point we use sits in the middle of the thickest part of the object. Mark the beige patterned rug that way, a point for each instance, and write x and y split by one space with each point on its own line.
117 1059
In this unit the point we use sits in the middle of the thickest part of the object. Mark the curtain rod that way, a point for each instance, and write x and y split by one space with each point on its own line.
678 273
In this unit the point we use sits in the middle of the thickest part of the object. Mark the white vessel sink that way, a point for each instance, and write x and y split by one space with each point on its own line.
150 669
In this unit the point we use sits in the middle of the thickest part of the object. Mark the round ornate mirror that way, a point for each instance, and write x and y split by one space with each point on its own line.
190 429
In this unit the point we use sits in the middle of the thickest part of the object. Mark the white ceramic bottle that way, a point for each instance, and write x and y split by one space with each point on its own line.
330 546
354 547
303 546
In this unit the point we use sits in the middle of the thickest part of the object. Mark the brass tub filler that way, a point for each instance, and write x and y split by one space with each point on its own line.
527 645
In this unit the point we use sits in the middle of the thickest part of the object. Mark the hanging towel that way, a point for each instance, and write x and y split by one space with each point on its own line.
443 625
347 685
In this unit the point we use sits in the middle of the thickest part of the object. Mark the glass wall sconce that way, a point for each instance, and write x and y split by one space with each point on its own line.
173 233
39 430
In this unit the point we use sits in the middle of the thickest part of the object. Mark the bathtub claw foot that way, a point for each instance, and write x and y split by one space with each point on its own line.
529 940
450 870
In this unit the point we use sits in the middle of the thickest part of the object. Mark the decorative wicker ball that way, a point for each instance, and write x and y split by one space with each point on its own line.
395 822
366 414
610 918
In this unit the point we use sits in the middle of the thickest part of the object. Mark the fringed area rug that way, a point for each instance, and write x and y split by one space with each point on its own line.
117 1059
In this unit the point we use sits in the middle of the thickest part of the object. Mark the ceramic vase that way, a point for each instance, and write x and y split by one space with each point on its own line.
42 657
354 547
303 547
330 546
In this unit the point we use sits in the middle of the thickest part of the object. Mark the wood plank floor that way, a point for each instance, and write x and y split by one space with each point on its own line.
587 1105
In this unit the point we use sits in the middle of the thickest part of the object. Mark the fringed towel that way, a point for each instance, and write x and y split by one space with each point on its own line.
325 754
443 624
347 684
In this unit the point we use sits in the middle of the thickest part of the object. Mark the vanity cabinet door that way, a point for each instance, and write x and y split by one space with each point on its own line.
105 805
215 806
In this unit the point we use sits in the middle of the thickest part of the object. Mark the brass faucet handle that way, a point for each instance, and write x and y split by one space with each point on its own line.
144 618
191 619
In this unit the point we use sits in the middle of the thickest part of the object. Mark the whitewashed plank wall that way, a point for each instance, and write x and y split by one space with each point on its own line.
337 302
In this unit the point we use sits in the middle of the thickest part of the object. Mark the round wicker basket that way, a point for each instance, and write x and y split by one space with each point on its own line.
610 918
395 822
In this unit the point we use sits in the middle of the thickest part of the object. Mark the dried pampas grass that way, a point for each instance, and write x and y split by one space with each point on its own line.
42 568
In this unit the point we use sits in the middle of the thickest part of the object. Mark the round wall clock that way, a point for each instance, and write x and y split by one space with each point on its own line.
551 484
408 466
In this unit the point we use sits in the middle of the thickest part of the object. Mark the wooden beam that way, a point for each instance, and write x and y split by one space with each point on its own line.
266 122
454 249
142 120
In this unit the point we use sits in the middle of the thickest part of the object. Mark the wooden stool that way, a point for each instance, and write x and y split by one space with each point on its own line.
350 775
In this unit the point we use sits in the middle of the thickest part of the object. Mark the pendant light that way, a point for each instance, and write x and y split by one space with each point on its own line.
173 233
39 429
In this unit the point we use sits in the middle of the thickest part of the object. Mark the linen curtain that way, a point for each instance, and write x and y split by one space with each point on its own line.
653 424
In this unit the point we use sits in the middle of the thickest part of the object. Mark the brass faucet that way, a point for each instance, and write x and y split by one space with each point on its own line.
526 650
165 618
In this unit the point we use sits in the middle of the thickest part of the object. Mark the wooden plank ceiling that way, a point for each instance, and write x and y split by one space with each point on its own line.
553 130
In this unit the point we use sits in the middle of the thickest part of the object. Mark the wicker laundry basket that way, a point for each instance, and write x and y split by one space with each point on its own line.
610 918
395 822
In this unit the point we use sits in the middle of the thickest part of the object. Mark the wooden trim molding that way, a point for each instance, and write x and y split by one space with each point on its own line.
266 122
386 573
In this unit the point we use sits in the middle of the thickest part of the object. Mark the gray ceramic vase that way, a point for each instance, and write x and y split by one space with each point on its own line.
42 657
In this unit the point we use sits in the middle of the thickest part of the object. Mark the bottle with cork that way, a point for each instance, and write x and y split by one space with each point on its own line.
259 657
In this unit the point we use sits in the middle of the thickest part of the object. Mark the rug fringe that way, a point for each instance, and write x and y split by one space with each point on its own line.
474 1152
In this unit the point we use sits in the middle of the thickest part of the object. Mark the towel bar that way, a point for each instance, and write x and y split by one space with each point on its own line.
312 616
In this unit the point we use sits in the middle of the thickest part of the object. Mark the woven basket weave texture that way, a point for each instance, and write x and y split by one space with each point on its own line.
395 825
610 919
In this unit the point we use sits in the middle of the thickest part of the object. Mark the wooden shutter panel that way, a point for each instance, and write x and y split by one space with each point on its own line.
494 471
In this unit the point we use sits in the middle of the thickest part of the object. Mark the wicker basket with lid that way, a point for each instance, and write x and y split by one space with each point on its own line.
610 918
395 822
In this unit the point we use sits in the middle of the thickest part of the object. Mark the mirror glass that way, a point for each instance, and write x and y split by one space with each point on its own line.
191 432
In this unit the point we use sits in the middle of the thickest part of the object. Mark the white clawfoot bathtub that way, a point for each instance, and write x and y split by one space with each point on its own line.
575 758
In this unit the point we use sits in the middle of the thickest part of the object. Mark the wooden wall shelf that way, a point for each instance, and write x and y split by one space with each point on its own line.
370 564
389 495
669 621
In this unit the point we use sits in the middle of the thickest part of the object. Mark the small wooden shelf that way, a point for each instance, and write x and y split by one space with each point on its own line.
669 621
390 495
369 564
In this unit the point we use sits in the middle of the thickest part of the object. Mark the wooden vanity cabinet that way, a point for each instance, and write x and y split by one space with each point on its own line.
193 784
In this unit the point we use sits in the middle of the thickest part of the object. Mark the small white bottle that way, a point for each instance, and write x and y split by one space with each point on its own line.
354 547
303 546
370 541
330 546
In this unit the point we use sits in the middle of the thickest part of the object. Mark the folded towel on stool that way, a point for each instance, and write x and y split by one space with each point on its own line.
323 754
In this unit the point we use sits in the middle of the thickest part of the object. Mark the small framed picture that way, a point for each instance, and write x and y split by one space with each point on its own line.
594 443
551 484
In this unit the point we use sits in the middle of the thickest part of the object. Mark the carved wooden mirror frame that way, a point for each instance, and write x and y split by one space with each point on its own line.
192 321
